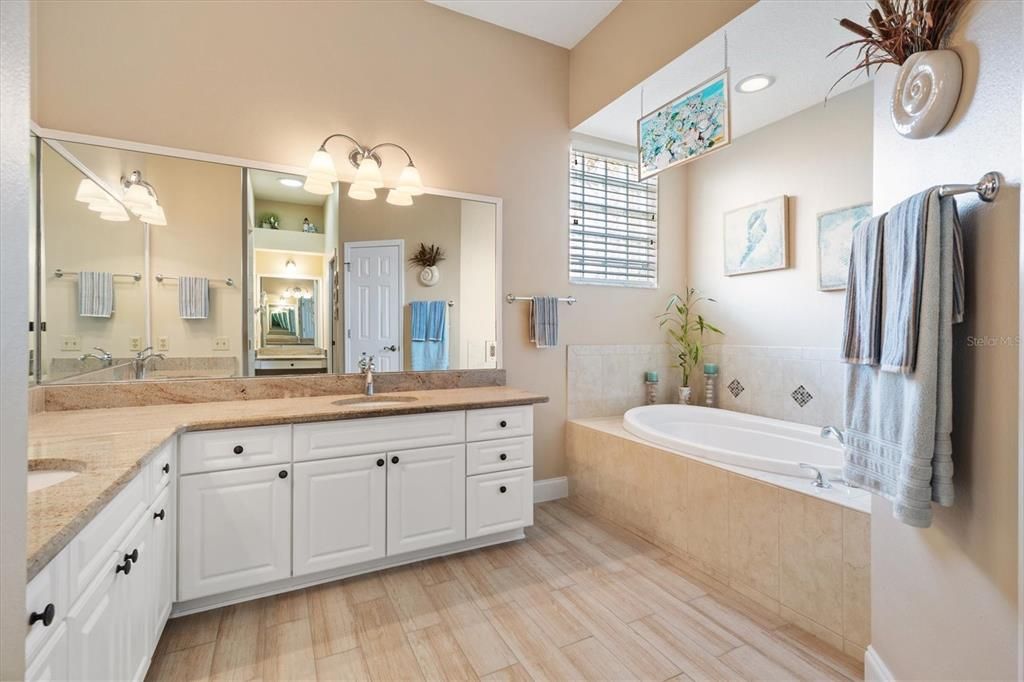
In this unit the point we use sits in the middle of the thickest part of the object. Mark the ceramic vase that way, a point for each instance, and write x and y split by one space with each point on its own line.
685 393
430 276
926 92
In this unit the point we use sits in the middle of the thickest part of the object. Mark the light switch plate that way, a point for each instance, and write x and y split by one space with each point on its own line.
221 343
70 343
162 343
135 343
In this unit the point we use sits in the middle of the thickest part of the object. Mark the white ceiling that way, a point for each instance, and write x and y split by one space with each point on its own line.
265 186
561 22
787 39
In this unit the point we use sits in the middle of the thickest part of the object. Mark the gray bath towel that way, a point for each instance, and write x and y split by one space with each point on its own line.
903 244
544 321
194 298
862 334
95 294
899 425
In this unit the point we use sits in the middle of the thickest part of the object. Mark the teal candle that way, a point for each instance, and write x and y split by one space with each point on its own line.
710 369
652 377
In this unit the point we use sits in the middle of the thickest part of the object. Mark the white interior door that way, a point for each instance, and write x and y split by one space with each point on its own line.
374 296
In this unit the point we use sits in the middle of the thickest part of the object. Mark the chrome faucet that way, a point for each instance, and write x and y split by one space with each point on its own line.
366 367
834 432
103 356
819 479
140 360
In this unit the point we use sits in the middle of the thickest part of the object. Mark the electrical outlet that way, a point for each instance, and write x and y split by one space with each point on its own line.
135 343
221 343
70 343
162 343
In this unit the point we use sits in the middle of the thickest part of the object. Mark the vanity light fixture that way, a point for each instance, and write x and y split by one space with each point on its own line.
140 198
100 201
755 83
321 173
290 182
289 265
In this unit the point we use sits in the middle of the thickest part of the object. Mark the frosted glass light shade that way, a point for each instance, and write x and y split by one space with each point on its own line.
409 182
368 174
90 193
321 167
397 197
362 192
138 199
154 217
104 205
315 186
115 214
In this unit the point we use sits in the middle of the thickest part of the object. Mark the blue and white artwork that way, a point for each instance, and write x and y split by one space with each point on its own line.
690 126
755 238
835 234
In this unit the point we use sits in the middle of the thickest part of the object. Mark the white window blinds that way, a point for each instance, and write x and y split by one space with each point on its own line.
613 222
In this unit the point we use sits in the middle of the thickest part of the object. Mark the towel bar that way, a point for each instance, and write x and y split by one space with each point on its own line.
987 188
58 273
566 299
230 282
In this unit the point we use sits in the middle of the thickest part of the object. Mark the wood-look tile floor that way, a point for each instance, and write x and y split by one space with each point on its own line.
579 599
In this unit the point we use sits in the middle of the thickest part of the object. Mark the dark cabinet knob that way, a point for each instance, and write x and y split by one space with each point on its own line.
394 460
282 474
125 568
166 468
502 489
239 449
380 462
159 515
503 457
46 615
133 556
503 423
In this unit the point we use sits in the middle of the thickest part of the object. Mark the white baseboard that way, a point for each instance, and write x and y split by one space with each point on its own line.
550 489
875 669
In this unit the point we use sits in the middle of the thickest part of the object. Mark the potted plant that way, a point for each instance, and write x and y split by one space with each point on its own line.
686 331
270 221
427 258
911 34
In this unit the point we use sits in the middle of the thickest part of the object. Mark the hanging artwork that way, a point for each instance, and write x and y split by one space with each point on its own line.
835 234
690 126
754 237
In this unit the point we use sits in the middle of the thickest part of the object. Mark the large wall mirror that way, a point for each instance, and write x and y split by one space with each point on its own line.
152 267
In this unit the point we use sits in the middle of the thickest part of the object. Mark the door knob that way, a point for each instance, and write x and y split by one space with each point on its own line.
391 348
46 615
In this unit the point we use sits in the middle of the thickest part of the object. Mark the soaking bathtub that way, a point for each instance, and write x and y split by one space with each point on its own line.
737 439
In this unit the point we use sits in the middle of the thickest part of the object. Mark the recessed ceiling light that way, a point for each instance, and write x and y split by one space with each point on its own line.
290 182
755 83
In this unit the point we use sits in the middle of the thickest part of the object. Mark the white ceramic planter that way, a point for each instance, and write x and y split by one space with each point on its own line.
926 92
430 276
685 394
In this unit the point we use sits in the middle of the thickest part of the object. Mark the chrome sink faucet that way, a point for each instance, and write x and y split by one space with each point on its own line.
366 367
834 432
103 356
140 360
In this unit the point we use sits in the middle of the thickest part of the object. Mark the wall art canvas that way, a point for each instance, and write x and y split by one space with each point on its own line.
835 234
690 126
755 237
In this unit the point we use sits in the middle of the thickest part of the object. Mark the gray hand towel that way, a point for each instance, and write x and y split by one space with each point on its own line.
95 294
544 321
194 298
862 335
904 238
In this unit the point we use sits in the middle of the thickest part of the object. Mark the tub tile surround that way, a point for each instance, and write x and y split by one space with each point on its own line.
608 380
802 557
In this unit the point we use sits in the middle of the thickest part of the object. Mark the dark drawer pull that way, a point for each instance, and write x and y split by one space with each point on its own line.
133 557
380 462
394 460
126 568
159 515
282 474
166 468
239 449
503 423
46 616
502 489
503 457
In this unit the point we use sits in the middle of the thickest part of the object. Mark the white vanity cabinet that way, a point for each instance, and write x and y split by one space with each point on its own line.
426 497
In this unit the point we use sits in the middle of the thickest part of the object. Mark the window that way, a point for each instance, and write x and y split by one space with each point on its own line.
613 223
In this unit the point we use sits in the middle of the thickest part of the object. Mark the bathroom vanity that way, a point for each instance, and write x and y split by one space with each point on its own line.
196 506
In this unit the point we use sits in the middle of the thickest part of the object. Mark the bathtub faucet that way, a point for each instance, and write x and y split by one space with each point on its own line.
827 431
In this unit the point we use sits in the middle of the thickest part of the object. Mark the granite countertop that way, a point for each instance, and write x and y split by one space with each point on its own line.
110 446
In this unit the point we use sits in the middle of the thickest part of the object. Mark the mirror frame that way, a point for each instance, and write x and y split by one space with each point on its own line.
44 134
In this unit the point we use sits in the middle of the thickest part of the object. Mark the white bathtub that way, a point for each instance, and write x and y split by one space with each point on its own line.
737 439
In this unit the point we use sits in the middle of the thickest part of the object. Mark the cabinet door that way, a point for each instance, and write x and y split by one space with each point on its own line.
340 512
499 502
426 497
161 516
136 596
235 530
96 631
51 663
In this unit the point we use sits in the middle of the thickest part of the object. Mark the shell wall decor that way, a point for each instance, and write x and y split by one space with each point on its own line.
926 92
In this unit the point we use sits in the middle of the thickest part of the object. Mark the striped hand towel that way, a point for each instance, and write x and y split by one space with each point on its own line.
193 298
95 294
544 321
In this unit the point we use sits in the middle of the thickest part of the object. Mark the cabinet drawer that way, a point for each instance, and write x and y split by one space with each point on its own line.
488 456
235 448
377 435
499 502
161 468
52 661
499 422
48 588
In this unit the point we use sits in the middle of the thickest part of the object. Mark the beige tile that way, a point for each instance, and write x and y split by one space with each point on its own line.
830 637
190 631
407 593
331 620
288 652
385 649
535 651
188 664
345 667
595 662
707 534
238 652
485 649
697 663
754 534
439 655
513 673
857 577
811 559
815 649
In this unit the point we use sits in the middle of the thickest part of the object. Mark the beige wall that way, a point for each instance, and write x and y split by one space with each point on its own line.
477 303
635 40
944 599
290 214
821 159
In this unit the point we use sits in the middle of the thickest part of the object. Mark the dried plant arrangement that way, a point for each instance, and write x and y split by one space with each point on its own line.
427 256
897 29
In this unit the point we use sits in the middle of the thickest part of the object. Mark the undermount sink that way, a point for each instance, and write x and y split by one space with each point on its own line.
376 400
44 473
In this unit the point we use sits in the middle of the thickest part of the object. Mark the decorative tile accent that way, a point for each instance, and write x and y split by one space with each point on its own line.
735 387
801 395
